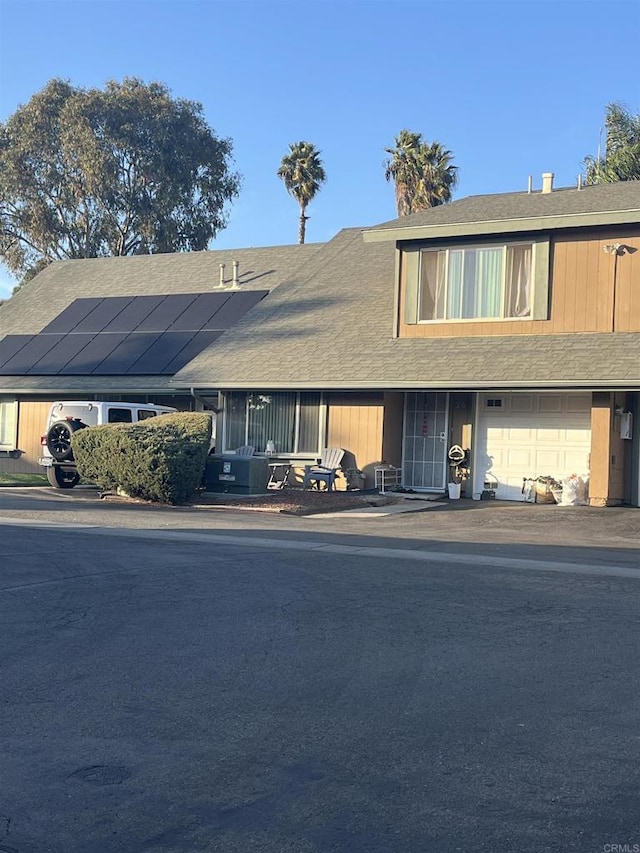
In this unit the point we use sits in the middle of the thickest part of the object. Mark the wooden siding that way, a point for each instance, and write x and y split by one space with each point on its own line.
581 288
356 426
32 417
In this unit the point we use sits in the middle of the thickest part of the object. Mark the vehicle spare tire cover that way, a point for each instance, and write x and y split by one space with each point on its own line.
59 439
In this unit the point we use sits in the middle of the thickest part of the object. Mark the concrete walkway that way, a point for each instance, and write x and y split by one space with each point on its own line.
413 504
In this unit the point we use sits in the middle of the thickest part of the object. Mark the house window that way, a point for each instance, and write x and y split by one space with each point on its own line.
8 423
292 420
476 283
494 403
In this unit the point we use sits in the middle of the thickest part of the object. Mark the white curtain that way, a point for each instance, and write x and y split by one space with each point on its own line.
488 283
518 283
8 422
454 284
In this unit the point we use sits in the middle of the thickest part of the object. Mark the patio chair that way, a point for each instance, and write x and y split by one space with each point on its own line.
245 450
326 469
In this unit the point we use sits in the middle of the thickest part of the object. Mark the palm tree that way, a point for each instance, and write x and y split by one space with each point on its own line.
621 159
423 173
302 172
403 168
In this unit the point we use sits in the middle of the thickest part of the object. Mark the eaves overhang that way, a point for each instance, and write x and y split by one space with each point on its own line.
421 385
503 226
110 387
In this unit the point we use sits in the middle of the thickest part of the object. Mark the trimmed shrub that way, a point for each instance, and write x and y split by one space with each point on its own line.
159 459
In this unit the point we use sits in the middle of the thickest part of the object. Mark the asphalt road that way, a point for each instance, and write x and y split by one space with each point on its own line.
177 688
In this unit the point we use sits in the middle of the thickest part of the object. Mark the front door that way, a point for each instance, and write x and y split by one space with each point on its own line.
424 454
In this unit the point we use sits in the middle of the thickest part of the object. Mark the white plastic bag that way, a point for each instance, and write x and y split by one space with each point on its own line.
574 491
529 491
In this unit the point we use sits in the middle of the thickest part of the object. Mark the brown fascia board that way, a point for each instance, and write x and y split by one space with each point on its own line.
504 226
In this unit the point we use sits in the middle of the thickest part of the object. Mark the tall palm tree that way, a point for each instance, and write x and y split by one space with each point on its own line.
621 159
422 171
403 168
302 171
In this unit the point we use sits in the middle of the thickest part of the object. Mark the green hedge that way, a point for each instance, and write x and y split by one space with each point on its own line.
159 459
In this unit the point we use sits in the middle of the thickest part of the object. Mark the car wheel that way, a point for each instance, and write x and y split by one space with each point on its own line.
60 478
59 439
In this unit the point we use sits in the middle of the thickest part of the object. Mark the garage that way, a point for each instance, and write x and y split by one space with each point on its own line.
530 435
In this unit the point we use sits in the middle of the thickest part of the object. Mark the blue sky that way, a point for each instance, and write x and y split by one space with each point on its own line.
511 88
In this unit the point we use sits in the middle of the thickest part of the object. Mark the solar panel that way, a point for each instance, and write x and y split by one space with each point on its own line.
234 308
200 312
142 335
55 360
162 350
133 314
10 345
199 342
128 351
166 313
71 316
29 354
103 314
93 354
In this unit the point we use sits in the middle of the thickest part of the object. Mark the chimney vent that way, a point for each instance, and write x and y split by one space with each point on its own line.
547 182
235 283
530 184
221 275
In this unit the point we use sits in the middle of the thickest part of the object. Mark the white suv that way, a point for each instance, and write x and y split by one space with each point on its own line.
67 417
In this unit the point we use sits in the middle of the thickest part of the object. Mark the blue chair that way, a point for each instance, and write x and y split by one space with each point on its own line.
326 469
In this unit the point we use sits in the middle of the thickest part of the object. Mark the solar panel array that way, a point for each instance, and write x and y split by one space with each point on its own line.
118 335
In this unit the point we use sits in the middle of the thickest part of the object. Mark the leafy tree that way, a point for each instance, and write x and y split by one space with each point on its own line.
621 158
302 172
122 171
422 171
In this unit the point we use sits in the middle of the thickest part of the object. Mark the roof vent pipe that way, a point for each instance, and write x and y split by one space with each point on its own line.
221 275
235 282
580 181
530 185
547 182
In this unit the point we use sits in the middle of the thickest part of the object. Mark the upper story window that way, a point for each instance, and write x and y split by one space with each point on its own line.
476 282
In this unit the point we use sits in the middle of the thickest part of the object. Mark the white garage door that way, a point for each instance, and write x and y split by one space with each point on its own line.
530 435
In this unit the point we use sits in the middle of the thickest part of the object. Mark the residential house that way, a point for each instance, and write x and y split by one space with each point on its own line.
508 324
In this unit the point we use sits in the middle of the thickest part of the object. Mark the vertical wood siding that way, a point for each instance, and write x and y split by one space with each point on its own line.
356 426
581 287
31 420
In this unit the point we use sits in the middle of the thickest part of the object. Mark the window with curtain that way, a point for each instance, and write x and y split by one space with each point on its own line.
291 420
8 423
475 282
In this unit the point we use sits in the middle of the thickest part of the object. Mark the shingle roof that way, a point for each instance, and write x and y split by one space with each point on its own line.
602 198
42 299
59 385
332 329
327 322
36 304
